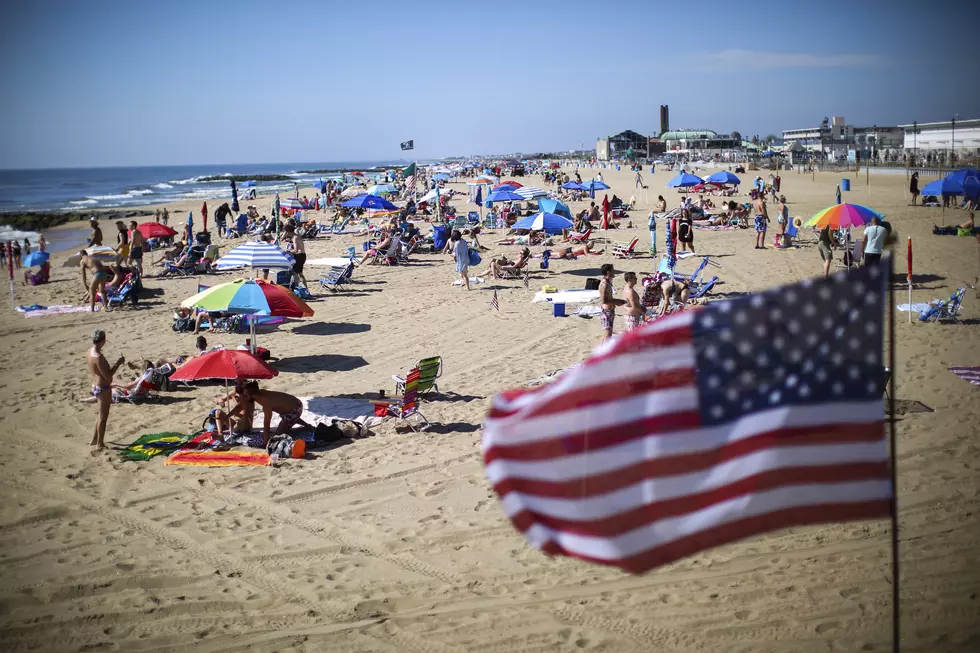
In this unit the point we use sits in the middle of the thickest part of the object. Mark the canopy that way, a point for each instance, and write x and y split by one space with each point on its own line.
155 230
224 364
684 179
255 254
531 193
840 216
504 196
370 202
554 206
723 177
544 221
250 296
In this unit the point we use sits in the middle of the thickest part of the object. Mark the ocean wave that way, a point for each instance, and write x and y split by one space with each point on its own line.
182 182
162 186
9 233
88 202
138 192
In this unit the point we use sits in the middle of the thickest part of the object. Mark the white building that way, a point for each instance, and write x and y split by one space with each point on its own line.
938 137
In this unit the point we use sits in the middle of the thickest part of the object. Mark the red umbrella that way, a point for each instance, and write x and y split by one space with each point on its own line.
605 211
204 215
156 230
513 183
224 364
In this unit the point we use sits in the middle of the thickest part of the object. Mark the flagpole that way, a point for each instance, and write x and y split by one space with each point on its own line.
896 628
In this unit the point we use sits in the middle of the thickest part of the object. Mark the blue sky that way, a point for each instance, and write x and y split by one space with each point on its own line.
153 83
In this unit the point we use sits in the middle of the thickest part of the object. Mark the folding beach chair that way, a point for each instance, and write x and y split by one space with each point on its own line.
580 238
430 369
122 294
337 277
406 406
624 250
473 218
460 222
693 278
702 289
947 309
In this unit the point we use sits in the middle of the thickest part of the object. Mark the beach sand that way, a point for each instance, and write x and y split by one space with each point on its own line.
396 542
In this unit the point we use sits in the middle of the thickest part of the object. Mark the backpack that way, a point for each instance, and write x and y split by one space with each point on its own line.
183 324
475 258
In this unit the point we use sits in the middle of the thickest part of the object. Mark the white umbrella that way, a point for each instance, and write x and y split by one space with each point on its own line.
530 192
255 254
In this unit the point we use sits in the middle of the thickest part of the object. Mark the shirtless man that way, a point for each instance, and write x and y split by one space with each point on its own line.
761 221
99 277
136 241
289 408
609 302
634 310
299 254
96 238
102 375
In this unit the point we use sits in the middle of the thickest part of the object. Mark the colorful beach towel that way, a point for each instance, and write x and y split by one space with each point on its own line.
57 309
154 444
971 374
219 458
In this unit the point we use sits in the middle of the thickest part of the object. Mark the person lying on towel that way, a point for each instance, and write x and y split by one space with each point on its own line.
288 407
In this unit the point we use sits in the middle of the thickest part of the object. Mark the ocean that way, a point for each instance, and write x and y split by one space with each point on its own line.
82 189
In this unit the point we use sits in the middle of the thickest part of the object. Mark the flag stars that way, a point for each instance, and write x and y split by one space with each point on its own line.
837 388
717 411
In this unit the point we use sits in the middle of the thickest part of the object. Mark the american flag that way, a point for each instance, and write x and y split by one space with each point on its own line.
704 427
494 303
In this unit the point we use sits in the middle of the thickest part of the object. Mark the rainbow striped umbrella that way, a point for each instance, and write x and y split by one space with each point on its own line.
842 216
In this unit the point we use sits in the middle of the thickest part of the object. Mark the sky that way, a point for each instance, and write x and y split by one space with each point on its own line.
120 83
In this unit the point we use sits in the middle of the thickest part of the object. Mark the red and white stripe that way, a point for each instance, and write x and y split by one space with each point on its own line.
610 462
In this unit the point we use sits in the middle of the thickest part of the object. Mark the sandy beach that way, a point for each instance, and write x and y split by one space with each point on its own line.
396 542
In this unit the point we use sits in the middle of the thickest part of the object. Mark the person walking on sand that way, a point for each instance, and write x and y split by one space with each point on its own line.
101 374
914 187
99 278
165 216
639 179
874 241
136 242
299 254
462 253
825 245
607 317
634 310
761 221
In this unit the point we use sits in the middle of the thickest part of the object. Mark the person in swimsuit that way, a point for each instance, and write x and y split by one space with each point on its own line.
102 375
136 248
96 238
672 288
299 254
634 310
122 240
289 408
761 221
99 278
609 302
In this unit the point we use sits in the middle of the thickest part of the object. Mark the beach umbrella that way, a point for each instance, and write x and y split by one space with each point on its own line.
101 253
605 212
382 189
684 179
234 196
478 200
970 178
35 258
156 230
594 185
224 364
249 184
511 182
204 215
505 187
842 216
944 186
292 204
440 176
554 206
723 177
504 196
255 254
543 221
531 193
428 197
353 191
573 185
370 202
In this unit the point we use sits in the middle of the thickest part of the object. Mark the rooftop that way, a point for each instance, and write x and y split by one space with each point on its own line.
685 134
944 124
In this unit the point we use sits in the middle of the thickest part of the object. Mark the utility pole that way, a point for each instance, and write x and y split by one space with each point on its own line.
952 143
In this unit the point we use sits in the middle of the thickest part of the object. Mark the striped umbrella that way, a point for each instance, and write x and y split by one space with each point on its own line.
255 254
531 193
842 216
354 191
292 204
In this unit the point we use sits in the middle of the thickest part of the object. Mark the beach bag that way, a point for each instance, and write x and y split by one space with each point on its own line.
183 324
475 258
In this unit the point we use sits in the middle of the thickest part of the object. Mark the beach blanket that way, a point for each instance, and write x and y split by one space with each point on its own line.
220 458
328 262
971 374
154 444
325 410
567 297
920 307
473 281
58 309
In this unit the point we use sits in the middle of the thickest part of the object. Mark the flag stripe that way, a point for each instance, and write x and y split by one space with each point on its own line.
735 530
613 430
664 531
587 482
646 513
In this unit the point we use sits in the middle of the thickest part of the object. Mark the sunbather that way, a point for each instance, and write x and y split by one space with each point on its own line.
571 253
288 407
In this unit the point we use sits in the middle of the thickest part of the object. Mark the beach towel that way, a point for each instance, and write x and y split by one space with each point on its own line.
154 444
567 297
971 374
920 307
326 410
473 281
328 262
57 309
219 458
588 311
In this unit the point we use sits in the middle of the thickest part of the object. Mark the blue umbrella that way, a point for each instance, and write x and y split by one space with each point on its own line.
504 196
370 202
543 221
970 178
684 179
944 186
573 185
440 175
478 200
320 185
594 185
724 177
234 197
248 184
36 258
554 206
